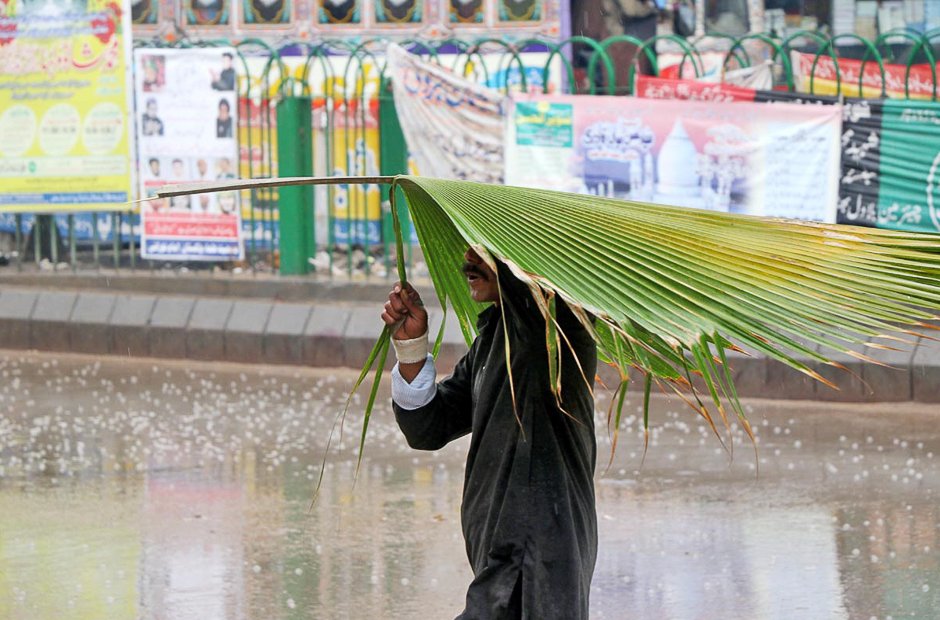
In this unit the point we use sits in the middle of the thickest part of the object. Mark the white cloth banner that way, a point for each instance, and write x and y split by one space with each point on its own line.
453 127
759 77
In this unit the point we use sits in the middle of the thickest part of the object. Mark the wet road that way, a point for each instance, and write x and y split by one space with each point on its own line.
130 489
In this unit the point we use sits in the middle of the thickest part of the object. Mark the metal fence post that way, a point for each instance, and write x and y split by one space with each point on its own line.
296 241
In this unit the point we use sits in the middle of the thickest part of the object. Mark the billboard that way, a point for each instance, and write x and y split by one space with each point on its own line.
65 144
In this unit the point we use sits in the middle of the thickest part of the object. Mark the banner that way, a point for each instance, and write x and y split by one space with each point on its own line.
651 87
64 143
861 161
785 96
909 166
890 165
693 90
712 69
920 80
186 118
356 209
453 127
345 137
780 160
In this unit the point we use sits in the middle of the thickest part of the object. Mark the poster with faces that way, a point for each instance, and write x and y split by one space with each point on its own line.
187 118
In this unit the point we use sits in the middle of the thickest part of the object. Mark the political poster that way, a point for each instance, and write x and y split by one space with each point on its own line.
65 144
453 127
186 119
776 160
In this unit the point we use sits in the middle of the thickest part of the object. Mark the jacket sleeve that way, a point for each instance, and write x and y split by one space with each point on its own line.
448 416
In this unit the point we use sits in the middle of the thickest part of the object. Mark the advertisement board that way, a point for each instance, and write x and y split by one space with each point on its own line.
65 143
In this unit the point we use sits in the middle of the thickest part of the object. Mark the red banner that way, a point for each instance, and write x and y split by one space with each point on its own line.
664 88
191 225
825 77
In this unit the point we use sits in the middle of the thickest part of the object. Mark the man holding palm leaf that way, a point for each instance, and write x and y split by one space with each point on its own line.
528 511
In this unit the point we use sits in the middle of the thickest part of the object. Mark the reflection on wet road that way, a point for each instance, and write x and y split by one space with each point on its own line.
130 489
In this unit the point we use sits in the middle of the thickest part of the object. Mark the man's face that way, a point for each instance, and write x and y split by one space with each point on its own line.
178 168
224 166
152 108
202 166
155 167
480 277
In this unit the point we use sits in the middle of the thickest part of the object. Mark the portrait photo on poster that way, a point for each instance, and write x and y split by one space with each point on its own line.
224 77
150 123
223 122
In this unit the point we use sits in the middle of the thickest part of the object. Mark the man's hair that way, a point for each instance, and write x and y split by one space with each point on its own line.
228 55
154 160
227 104
177 160
151 100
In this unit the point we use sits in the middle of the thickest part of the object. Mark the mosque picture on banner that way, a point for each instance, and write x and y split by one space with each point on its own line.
620 159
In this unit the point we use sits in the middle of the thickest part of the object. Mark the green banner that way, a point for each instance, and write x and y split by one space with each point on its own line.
544 124
910 166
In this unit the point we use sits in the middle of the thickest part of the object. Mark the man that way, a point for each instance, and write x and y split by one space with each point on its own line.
225 79
600 19
202 170
224 166
528 513
151 125
154 164
223 124
179 171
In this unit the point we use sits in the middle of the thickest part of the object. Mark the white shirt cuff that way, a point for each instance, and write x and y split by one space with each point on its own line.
419 392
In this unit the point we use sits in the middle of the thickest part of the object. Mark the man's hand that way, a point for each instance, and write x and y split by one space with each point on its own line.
405 305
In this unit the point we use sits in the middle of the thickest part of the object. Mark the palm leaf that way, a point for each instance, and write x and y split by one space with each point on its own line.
671 288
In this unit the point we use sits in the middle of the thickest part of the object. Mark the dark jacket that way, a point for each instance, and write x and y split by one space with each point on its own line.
528 512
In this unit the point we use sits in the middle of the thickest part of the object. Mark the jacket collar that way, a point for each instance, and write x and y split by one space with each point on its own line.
487 318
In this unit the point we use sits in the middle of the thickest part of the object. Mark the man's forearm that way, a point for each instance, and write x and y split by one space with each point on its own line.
419 388
410 371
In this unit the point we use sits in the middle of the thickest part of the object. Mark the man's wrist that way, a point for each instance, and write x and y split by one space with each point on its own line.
412 350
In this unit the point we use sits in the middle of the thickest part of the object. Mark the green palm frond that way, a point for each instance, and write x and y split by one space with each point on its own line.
672 289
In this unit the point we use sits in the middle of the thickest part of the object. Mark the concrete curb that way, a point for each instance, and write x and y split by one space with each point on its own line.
341 333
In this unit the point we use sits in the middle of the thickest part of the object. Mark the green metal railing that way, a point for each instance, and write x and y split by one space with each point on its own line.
353 110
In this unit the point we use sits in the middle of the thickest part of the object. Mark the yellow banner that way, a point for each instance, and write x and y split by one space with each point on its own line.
357 209
64 133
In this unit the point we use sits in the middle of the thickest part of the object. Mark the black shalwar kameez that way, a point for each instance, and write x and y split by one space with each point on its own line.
528 512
